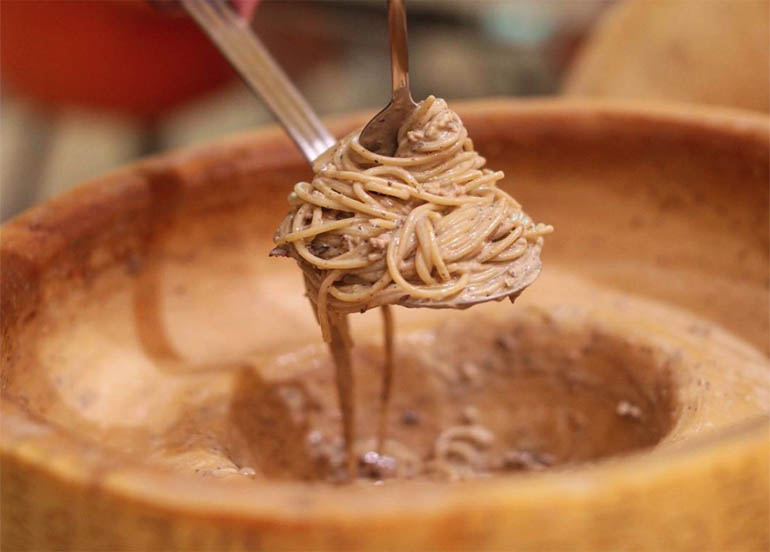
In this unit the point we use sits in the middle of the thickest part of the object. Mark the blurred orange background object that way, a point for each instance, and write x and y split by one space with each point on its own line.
121 56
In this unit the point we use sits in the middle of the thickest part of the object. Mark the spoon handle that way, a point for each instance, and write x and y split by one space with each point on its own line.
399 51
232 35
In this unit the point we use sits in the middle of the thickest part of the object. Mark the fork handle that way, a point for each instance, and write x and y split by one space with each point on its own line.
246 53
399 51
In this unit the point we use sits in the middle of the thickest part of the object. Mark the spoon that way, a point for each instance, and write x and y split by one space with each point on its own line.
380 135
243 49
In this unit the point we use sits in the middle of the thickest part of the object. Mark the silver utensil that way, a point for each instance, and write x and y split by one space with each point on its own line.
243 49
380 135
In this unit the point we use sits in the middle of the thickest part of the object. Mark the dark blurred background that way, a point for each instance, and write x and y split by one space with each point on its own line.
88 85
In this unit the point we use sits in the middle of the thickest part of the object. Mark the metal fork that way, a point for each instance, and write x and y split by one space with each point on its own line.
234 38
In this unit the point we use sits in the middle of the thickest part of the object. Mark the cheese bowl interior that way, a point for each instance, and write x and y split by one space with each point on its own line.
162 377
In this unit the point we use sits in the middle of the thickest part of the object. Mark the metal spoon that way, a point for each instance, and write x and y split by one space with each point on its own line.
233 36
380 135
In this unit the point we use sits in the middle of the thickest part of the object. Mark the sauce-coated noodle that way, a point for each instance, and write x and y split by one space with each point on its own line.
429 224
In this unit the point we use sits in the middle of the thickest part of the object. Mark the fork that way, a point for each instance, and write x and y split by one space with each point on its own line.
232 34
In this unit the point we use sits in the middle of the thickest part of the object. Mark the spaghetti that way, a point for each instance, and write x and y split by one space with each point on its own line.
427 225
